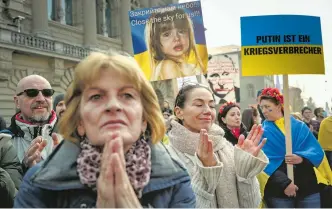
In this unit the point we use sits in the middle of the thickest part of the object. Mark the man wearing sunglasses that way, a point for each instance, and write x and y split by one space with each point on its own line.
32 126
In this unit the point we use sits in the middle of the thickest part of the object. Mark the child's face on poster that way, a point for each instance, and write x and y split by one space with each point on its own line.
175 42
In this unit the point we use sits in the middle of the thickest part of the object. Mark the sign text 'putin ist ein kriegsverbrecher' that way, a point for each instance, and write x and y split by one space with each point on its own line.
281 44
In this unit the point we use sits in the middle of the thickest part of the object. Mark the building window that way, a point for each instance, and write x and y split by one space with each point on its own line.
108 18
68 12
100 16
51 10
60 11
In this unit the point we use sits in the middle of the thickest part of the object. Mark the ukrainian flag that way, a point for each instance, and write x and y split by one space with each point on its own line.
304 144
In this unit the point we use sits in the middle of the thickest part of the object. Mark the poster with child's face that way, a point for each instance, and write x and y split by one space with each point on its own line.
224 77
169 42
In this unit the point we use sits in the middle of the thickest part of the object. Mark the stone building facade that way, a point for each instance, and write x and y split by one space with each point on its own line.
49 37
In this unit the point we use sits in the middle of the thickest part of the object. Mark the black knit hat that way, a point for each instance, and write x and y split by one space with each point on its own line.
57 99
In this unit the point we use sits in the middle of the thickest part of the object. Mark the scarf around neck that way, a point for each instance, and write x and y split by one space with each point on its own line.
236 132
138 164
186 141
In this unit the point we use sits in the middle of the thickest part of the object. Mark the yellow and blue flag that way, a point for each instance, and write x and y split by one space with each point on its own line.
304 144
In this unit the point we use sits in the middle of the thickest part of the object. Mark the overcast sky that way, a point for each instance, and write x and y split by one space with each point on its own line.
222 20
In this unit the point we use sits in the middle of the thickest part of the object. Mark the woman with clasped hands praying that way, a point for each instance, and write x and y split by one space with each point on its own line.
111 156
223 175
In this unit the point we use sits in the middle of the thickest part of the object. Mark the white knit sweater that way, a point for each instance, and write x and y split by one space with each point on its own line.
232 183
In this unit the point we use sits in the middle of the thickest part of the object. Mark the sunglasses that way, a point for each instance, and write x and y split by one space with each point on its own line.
35 92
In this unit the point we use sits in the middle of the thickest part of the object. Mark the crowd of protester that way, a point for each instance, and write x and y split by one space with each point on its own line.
106 142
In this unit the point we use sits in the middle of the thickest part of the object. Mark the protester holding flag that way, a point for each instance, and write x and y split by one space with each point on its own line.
229 119
223 175
307 157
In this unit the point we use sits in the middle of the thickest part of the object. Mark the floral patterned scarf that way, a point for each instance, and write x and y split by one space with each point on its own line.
138 164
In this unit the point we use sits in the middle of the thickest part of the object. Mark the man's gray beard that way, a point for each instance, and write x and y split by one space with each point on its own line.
40 118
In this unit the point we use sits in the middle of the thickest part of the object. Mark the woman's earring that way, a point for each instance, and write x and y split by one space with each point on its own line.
144 135
81 132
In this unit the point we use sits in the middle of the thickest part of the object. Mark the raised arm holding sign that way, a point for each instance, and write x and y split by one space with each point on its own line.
286 44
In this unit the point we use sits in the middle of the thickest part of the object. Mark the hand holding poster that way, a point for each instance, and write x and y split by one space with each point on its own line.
169 42
282 44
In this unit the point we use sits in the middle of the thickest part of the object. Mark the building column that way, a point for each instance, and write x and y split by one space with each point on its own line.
153 3
89 23
101 19
58 68
61 12
6 90
39 17
145 3
125 27
77 14
115 20
6 63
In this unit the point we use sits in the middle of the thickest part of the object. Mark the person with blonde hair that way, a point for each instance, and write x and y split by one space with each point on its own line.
170 43
111 153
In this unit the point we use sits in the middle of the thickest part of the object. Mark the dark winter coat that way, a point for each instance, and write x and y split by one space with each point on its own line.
230 136
56 184
10 172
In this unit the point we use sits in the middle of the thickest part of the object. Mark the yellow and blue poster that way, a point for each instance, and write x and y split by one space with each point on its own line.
169 42
281 44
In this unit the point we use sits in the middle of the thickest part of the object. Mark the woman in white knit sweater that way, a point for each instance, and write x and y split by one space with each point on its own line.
223 175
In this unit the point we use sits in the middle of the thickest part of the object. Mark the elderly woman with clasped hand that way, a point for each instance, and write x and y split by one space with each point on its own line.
111 156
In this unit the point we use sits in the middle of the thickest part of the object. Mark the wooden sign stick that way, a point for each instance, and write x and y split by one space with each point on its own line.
288 128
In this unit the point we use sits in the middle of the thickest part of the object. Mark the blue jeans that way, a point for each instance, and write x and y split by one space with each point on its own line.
311 201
